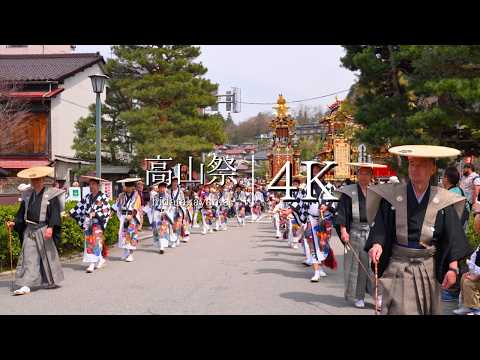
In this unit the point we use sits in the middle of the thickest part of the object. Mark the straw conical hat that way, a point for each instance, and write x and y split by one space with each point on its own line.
36 172
92 178
424 151
129 180
367 165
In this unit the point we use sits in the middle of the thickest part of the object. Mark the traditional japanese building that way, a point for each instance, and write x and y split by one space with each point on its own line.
283 143
339 129
341 146
50 93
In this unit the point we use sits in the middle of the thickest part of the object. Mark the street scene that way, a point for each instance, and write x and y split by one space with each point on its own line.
250 258
212 180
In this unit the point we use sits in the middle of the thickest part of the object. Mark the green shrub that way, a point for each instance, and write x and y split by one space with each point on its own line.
7 213
111 232
71 240
472 236
72 237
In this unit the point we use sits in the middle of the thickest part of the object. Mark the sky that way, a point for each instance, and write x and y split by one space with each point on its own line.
262 72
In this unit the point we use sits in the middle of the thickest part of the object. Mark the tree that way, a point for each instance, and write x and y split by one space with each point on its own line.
116 140
381 101
11 107
229 122
446 87
416 94
247 130
114 136
167 91
305 114
310 147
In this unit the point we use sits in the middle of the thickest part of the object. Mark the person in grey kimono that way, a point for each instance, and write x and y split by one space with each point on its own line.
416 239
352 219
38 223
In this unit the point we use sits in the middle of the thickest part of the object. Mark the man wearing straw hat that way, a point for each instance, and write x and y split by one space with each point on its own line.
38 222
352 219
92 214
128 208
416 239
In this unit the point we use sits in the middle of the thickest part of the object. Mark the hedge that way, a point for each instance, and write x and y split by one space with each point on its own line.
473 238
71 240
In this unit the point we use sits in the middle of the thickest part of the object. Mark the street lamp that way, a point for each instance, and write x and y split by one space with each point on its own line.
98 83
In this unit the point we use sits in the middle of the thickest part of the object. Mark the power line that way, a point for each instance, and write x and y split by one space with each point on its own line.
296 101
250 103
74 103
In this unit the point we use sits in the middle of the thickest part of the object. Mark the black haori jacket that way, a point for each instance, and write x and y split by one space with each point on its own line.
446 234
32 205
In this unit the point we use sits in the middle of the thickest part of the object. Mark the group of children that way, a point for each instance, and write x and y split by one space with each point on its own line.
172 212
308 224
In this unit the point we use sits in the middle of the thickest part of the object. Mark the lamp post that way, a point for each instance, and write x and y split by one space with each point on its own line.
98 83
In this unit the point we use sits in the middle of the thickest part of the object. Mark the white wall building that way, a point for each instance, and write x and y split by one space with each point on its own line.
58 90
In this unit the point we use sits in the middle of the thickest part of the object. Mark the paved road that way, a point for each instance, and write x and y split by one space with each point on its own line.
243 270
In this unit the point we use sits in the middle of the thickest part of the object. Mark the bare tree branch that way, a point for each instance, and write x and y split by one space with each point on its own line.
11 107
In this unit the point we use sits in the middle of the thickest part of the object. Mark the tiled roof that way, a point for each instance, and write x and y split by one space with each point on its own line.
45 67
23 163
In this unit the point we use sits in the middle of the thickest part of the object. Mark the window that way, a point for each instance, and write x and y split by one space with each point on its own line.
17 46
25 135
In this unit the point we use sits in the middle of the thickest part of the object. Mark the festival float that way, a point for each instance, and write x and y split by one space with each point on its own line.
283 146
342 147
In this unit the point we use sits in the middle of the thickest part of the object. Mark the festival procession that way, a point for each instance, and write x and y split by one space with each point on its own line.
139 200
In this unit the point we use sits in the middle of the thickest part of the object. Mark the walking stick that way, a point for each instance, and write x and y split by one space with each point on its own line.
11 255
376 288
1 266
348 247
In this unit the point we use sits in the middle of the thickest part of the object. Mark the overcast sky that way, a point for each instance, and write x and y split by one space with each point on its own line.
262 72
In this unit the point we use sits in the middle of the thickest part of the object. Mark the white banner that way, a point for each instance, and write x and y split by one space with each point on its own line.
107 189
74 193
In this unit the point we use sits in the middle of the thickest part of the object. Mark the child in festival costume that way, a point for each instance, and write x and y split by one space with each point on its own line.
317 235
188 217
92 214
285 217
214 198
258 200
324 233
206 211
128 208
177 199
240 204
276 213
295 234
160 220
222 210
